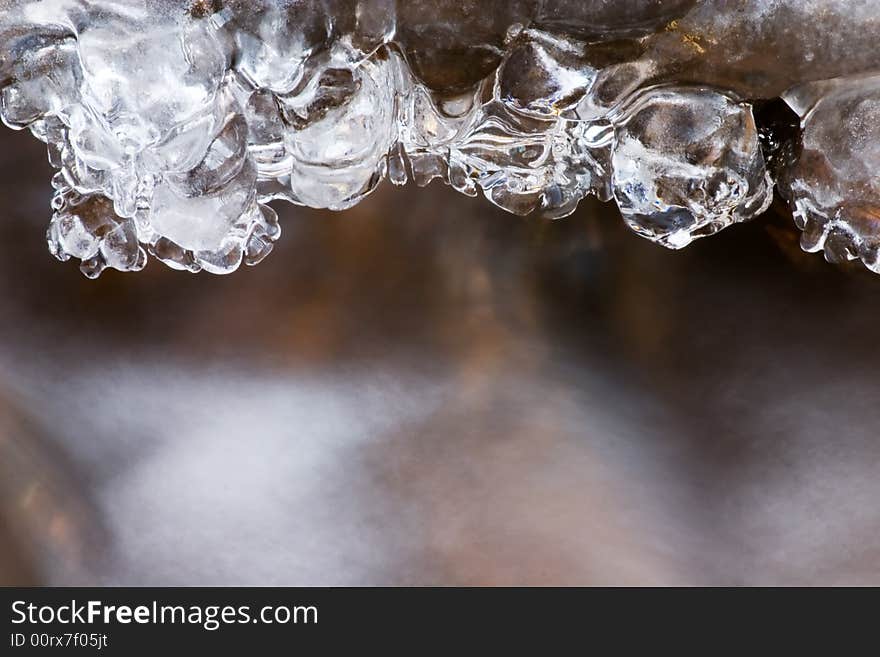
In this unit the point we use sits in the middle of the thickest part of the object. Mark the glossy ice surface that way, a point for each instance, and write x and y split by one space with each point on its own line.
173 125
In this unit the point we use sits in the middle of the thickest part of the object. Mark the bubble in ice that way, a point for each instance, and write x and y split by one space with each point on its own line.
172 125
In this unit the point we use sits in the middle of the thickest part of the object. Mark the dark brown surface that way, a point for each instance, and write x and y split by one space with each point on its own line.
425 390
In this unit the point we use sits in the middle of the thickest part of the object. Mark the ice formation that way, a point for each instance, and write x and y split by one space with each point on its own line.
173 124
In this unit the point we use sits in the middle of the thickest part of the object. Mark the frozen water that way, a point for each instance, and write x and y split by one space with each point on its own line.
172 124
348 125
687 163
834 186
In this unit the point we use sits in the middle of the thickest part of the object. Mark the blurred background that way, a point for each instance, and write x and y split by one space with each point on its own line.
426 390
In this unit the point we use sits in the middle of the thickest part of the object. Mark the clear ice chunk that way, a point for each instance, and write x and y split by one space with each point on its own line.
349 125
687 163
833 187
87 228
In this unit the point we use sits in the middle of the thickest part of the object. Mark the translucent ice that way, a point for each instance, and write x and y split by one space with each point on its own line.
687 163
173 123
834 186
338 154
